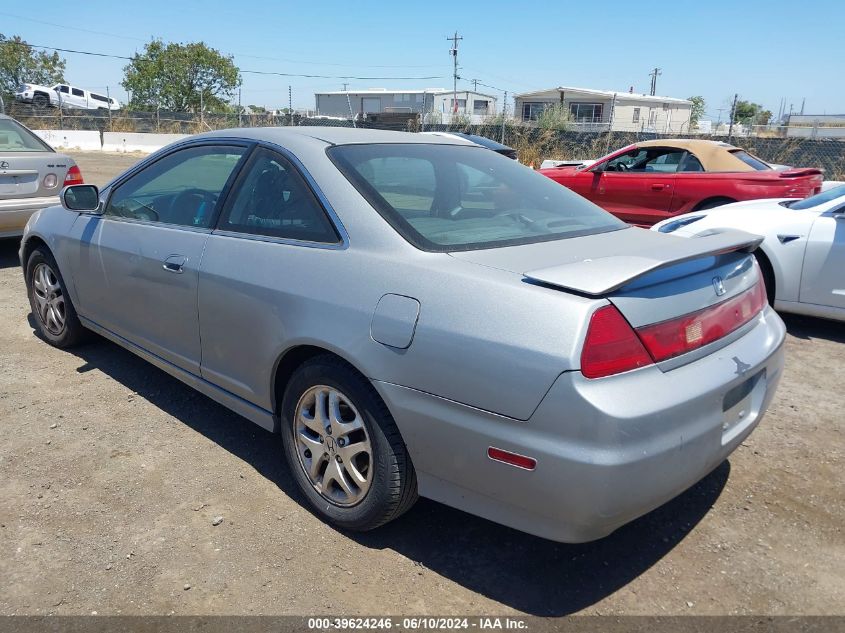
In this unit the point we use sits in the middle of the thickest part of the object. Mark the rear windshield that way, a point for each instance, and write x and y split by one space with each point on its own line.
449 198
751 161
16 138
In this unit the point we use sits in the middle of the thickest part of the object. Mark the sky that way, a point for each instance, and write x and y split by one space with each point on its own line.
764 51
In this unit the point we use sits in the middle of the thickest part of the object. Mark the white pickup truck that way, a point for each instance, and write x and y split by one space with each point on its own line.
65 96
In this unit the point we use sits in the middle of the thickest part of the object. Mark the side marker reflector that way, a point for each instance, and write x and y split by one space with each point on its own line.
512 459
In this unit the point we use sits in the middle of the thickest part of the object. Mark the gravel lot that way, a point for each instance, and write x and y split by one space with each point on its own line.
112 472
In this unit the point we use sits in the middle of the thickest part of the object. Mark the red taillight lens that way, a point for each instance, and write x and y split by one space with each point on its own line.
684 334
74 176
611 346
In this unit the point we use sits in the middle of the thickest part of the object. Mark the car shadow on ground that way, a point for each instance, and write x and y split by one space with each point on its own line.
808 328
530 574
9 252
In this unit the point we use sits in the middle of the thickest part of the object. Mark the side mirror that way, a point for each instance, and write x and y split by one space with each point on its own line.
81 198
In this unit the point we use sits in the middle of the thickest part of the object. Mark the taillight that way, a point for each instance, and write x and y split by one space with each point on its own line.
611 346
684 334
74 176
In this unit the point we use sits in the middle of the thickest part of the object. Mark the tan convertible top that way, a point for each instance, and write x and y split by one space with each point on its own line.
713 155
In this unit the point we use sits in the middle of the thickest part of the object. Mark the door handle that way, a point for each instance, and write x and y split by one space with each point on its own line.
658 187
174 264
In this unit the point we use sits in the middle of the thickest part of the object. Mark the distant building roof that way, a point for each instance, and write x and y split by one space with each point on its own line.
383 91
608 94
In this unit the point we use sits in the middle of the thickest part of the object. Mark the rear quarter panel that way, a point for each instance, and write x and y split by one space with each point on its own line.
693 188
483 338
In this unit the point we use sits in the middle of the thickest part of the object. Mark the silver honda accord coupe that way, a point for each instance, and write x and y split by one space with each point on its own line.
420 315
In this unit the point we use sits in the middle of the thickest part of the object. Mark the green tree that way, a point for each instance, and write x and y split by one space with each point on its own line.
20 64
698 107
751 113
180 77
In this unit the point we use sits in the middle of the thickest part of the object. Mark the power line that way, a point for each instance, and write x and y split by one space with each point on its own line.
241 70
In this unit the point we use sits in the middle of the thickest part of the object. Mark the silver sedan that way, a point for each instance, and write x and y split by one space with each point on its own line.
419 315
31 175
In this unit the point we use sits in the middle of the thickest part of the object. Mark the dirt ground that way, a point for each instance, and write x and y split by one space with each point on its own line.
111 473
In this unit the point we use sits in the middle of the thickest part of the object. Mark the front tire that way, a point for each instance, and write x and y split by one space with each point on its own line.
343 447
40 101
55 317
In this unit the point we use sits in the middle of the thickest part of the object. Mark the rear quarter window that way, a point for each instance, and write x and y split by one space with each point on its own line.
751 161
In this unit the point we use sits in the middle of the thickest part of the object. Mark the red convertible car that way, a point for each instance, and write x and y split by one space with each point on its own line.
653 180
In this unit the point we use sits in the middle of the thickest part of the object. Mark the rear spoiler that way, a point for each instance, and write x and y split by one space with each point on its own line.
603 275
800 172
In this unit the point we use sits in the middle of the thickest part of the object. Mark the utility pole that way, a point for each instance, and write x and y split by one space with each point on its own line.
719 122
803 101
239 107
344 87
475 85
454 52
733 114
108 96
654 74
290 104
504 114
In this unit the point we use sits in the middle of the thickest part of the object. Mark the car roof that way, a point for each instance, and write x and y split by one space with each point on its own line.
713 155
331 135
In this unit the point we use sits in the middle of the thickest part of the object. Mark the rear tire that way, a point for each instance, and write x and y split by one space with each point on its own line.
712 203
55 317
348 458
768 275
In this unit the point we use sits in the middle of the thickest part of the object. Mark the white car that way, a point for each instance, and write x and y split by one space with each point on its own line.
66 96
802 255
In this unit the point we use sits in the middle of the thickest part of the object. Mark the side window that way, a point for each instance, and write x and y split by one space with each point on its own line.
181 188
666 161
77 92
63 89
273 199
691 163
627 162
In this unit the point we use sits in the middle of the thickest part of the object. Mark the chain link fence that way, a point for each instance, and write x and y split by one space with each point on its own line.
798 147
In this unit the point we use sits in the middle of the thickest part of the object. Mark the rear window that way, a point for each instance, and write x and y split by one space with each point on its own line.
751 161
16 138
449 198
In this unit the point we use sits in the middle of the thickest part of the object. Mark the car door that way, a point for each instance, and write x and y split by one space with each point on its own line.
77 98
63 93
823 274
263 268
136 266
638 186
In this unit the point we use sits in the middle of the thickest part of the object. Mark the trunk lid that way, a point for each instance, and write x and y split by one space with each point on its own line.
650 280
22 174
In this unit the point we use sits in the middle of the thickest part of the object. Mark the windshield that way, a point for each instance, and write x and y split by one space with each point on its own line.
449 198
819 198
16 138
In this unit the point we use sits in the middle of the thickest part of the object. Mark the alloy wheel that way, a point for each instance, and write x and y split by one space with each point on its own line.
333 446
49 299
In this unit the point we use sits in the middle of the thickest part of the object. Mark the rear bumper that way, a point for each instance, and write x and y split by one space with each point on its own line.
15 213
607 450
